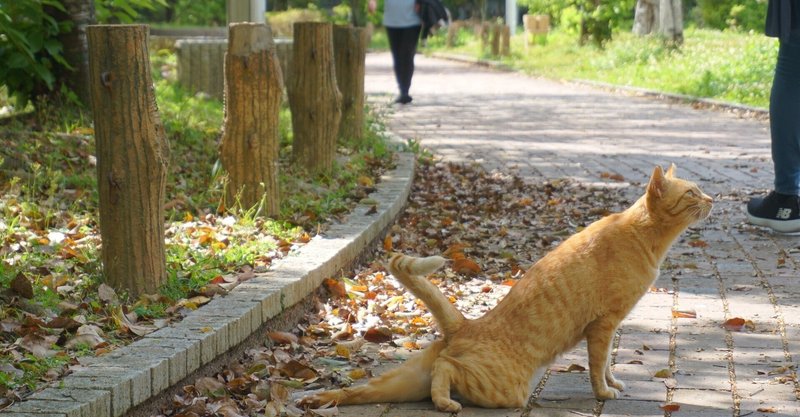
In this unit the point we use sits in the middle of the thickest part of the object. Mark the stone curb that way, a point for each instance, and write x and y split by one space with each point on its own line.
710 103
113 384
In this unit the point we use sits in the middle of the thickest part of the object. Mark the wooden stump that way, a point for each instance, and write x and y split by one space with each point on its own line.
284 48
350 50
314 97
452 33
201 65
535 25
250 134
505 44
496 33
483 30
132 158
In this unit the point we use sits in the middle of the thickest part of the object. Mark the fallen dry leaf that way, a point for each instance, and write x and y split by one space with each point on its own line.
738 324
282 338
465 266
663 373
670 406
106 293
22 286
684 314
210 387
378 335
335 287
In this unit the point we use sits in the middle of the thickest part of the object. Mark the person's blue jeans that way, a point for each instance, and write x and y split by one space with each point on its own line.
784 117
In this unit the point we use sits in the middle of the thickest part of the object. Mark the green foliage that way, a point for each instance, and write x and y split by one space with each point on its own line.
123 11
731 14
282 23
29 47
595 20
724 65
187 13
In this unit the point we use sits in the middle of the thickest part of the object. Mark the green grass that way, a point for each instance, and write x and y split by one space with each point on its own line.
725 65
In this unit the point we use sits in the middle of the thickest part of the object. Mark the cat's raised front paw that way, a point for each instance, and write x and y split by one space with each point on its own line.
447 405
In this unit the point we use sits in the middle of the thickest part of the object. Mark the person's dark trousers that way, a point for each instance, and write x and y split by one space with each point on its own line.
403 43
784 116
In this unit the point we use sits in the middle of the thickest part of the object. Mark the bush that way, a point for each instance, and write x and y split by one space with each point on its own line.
29 47
731 14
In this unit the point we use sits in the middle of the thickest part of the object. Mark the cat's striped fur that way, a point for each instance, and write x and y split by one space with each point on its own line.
581 290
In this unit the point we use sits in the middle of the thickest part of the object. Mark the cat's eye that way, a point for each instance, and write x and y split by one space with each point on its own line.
691 193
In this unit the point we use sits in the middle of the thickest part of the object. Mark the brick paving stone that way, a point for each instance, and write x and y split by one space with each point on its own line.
619 408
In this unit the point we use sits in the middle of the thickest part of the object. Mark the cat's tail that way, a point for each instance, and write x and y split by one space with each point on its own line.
411 273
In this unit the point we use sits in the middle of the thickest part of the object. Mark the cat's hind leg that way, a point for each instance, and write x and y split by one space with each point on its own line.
409 382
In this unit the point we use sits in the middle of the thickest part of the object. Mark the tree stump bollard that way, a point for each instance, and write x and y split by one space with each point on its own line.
483 31
350 51
496 39
314 97
505 44
132 158
284 49
452 33
200 65
250 134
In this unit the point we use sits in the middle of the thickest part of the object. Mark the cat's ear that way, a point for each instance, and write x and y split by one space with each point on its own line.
657 184
671 171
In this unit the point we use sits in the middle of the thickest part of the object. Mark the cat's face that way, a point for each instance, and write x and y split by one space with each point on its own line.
676 200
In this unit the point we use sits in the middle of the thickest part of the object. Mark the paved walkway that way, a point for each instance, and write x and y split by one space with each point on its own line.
541 129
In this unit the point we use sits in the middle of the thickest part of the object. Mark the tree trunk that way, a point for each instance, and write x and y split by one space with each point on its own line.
76 49
314 97
132 158
350 50
646 17
671 20
358 15
250 135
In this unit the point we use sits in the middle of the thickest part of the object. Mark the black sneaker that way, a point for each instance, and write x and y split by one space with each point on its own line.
403 100
781 212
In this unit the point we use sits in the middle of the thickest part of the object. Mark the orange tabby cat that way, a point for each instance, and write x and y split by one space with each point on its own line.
581 290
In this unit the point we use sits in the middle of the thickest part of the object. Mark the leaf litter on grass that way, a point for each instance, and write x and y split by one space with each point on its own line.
53 307
497 222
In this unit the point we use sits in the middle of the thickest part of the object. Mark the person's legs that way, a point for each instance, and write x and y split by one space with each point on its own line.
784 117
780 209
403 43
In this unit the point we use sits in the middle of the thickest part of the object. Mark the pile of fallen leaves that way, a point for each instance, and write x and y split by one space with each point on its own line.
492 226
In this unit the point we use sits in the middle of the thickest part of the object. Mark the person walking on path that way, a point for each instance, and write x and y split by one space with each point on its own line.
403 26
780 209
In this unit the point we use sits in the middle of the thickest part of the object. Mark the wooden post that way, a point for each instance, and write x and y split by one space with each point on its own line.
495 39
350 51
484 30
200 65
314 98
505 45
132 158
284 48
250 134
